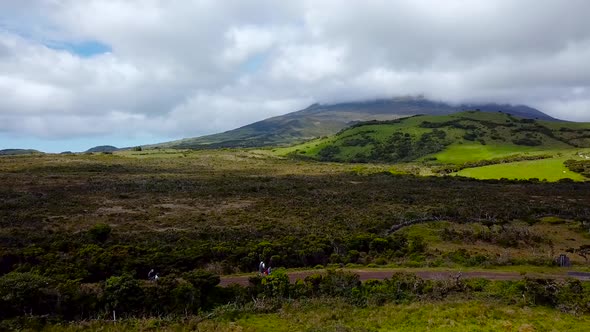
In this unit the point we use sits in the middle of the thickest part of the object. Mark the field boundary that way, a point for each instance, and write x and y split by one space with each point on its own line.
365 275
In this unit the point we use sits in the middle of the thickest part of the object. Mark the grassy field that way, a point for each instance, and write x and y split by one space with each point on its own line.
552 169
470 152
320 316
471 316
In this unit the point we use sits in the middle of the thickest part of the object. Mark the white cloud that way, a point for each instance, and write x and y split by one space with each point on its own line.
187 68
245 42
29 96
575 108
212 113
308 63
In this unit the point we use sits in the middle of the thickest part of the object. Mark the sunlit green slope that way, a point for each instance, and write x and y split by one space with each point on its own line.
450 139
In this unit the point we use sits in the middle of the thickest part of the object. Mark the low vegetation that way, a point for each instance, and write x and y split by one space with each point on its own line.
79 233
326 315
579 166
274 301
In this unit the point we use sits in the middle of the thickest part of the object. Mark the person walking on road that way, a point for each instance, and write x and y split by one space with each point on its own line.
261 268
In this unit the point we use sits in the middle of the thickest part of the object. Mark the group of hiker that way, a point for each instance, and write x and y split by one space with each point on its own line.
263 270
152 275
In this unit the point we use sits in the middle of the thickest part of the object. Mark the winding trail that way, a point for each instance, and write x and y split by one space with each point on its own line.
424 274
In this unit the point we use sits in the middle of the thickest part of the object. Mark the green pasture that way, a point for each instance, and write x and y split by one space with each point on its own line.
470 152
546 169
310 147
469 316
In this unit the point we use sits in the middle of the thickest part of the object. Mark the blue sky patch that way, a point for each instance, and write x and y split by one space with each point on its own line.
254 63
78 144
84 49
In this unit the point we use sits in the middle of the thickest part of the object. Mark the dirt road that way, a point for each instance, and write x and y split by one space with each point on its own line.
429 275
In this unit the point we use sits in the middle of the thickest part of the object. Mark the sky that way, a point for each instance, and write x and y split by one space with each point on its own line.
75 74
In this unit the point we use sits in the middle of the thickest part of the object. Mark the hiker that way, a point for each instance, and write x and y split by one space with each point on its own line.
261 268
269 269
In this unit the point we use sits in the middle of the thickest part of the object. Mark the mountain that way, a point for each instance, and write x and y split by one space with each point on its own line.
460 137
321 120
17 152
103 148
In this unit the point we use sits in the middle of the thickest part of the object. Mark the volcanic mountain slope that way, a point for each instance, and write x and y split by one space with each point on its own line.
322 120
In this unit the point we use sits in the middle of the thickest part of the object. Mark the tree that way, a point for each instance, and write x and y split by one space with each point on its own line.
186 296
329 153
276 285
123 294
204 283
417 245
100 232
379 245
23 293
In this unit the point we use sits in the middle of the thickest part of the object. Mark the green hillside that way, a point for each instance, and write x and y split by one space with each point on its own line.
18 152
103 148
322 120
451 143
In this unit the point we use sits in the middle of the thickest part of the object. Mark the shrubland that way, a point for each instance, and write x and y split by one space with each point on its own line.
191 299
579 166
79 233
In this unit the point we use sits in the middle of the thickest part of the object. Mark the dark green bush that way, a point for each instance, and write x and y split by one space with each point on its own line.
100 232
124 295
25 294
